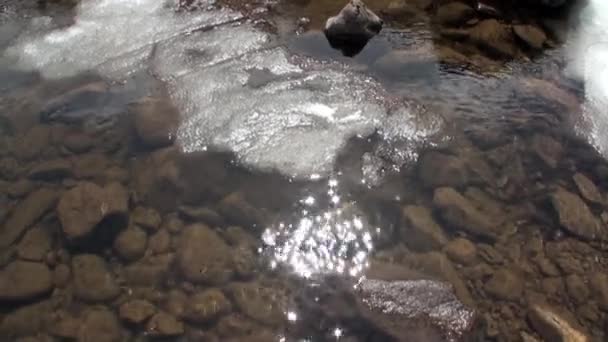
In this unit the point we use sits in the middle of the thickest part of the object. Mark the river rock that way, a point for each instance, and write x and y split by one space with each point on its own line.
547 149
156 121
236 209
26 213
206 306
461 213
20 188
160 242
164 325
136 311
130 244
157 175
439 169
78 142
262 303
83 207
26 320
149 271
587 188
353 27
575 216
147 218
64 325
23 280
454 13
533 36
577 289
236 325
61 275
203 256
415 310
92 280
552 327
461 251
598 282
100 325
421 232
51 170
505 285
30 145
35 245
495 37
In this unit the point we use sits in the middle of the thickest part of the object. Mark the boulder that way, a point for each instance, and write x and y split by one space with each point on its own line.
587 188
415 310
531 35
24 280
100 325
92 280
26 213
575 216
203 256
352 28
454 13
164 325
130 244
136 311
206 306
553 327
461 213
421 232
35 245
83 207
156 121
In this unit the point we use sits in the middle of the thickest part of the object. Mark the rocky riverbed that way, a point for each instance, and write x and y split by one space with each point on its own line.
475 220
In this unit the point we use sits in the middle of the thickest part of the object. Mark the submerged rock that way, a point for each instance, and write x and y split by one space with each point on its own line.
100 325
130 244
206 306
23 280
146 218
439 169
24 321
93 282
587 188
352 28
83 207
259 302
156 121
505 285
136 311
26 213
495 37
35 245
454 13
401 308
575 216
461 251
422 233
164 325
552 327
203 256
533 36
51 170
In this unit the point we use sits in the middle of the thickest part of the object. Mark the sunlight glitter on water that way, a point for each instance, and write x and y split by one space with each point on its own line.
333 240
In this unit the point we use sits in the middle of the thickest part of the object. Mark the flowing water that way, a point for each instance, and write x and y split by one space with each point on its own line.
308 170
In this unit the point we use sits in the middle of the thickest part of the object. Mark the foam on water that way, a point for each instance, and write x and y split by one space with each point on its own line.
236 90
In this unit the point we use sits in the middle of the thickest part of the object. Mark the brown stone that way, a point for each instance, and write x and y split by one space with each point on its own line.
51 170
206 306
454 13
587 188
421 233
505 285
259 302
164 325
93 282
136 311
146 218
160 242
100 325
78 142
552 327
495 37
130 244
575 216
34 246
461 251
23 280
533 36
598 283
577 289
439 169
156 121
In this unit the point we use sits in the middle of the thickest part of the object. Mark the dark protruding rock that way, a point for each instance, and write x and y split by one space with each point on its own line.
206 306
156 121
25 214
130 244
164 325
100 325
575 216
203 256
402 308
93 282
553 327
422 233
23 280
352 28
136 311
83 207
454 13
533 36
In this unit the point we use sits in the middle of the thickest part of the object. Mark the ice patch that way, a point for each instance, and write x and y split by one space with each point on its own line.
235 89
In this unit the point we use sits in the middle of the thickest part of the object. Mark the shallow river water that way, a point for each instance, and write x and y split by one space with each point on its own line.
216 171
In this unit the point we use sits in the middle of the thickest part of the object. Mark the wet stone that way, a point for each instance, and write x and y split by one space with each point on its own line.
259 302
505 285
20 188
33 142
598 283
92 280
495 37
587 188
163 324
577 289
236 325
421 232
147 218
553 327
244 261
547 149
131 243
575 216
160 242
24 321
237 210
172 224
206 306
203 256
52 170
439 169
100 325
399 307
61 275
83 207
149 271
461 213
175 302
454 13
78 142
136 311
26 213
65 325
156 121
24 280
533 36
203 214
34 245
461 251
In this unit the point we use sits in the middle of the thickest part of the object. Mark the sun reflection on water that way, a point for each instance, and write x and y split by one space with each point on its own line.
333 239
